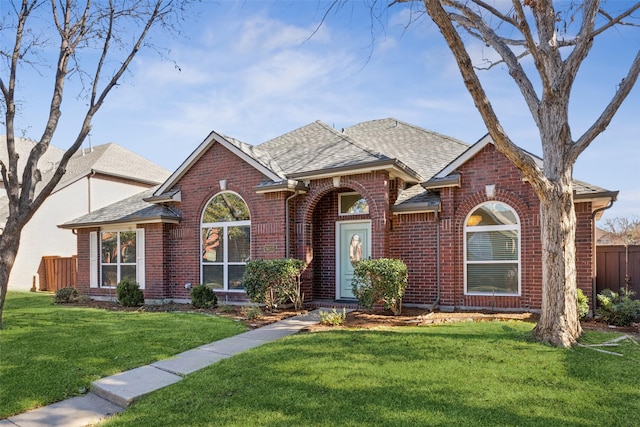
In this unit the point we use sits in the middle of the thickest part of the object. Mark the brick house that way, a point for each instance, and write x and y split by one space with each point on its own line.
460 216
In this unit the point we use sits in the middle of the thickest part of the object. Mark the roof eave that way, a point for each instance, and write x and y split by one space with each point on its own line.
448 181
412 208
395 168
165 197
289 185
140 220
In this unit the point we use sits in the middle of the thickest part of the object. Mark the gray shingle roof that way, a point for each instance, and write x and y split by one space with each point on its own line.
23 148
133 209
317 146
416 197
113 159
424 151
110 159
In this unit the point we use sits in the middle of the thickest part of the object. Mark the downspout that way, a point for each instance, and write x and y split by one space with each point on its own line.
93 172
595 258
286 221
437 300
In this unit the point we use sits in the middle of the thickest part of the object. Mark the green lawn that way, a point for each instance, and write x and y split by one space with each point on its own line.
466 374
51 352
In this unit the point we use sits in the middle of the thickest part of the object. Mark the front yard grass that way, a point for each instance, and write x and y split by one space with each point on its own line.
50 352
466 374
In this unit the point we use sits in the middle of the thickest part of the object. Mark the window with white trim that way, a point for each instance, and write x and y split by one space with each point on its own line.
121 257
225 241
492 250
352 204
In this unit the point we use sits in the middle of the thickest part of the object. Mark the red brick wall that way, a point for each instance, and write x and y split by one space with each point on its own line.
173 251
413 239
490 167
585 250
315 229
198 186
83 260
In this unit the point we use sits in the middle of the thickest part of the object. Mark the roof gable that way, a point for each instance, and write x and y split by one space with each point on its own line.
259 159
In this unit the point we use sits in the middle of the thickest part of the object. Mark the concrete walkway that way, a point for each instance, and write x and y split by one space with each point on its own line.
113 394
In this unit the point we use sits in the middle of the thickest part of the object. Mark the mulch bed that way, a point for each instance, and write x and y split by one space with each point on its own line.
410 316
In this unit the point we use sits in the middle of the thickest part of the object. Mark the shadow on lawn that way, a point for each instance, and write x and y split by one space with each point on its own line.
465 375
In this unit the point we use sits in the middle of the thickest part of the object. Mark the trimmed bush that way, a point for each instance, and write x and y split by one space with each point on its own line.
203 297
129 293
380 280
333 317
273 282
618 308
65 296
583 304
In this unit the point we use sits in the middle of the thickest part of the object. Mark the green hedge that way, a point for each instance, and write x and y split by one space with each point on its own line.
274 282
380 280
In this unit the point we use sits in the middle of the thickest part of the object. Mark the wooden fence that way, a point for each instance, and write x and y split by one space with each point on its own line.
58 272
612 268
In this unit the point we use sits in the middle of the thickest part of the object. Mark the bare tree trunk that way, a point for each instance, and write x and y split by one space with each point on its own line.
8 250
559 324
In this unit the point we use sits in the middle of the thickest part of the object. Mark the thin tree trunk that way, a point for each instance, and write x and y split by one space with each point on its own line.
9 242
559 324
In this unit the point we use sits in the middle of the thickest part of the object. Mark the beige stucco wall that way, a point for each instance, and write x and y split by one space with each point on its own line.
41 236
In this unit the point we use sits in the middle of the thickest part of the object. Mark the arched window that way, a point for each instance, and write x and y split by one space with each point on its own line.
492 250
226 241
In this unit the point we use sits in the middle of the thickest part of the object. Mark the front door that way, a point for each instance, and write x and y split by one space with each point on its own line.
354 244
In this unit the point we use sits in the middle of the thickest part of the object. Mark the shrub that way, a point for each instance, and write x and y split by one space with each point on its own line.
251 312
129 293
618 308
380 280
583 304
333 318
203 297
65 295
274 282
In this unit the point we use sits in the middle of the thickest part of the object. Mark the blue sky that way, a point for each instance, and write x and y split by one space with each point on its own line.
254 70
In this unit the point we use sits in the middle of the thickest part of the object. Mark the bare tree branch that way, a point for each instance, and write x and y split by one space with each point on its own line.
524 162
610 110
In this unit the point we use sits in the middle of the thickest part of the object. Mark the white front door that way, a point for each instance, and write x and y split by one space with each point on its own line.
353 244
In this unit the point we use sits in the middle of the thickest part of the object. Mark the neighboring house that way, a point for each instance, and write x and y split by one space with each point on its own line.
23 147
94 178
460 216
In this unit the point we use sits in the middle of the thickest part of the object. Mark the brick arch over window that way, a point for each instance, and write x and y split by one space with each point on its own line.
326 187
225 241
312 248
530 249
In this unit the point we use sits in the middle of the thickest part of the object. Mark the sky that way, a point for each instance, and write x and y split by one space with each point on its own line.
254 70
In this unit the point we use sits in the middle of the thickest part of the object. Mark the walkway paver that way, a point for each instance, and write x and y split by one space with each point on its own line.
113 394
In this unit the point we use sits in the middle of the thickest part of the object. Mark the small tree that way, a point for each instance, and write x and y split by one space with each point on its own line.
380 280
97 41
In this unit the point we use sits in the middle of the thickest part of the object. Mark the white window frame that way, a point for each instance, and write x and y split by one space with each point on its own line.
95 256
484 228
225 244
341 195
